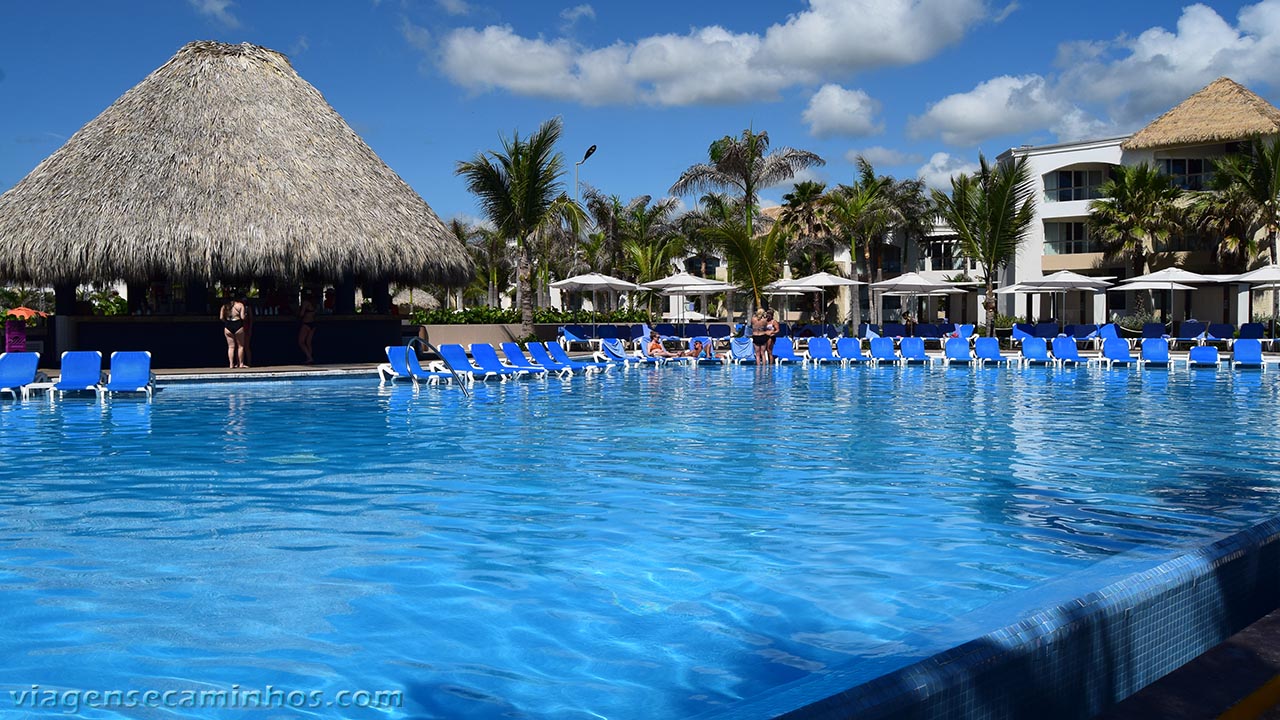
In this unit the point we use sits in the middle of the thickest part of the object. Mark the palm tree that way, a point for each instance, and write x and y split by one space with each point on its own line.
863 213
745 165
520 192
1255 176
990 212
1225 216
754 260
648 261
804 219
1137 208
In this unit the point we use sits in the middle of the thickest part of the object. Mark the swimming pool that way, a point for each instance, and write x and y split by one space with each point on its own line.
662 543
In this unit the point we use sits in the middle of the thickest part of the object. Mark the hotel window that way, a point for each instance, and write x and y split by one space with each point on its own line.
1068 185
1188 174
1068 238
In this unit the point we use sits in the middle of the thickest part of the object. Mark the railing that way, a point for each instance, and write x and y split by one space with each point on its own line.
419 342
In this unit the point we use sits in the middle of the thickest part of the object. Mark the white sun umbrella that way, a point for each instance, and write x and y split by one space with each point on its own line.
706 287
820 281
594 282
909 284
1264 278
1150 285
1166 279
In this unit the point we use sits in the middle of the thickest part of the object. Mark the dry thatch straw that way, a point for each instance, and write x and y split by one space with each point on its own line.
223 164
1223 111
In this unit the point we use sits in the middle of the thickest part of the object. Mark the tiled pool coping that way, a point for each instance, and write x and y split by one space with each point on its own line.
1071 660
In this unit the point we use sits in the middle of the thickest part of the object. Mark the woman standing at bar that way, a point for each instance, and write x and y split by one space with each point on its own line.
232 317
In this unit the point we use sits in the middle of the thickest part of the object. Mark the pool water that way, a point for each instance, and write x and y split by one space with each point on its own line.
660 543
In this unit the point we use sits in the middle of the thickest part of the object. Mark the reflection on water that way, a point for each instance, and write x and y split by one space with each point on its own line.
648 544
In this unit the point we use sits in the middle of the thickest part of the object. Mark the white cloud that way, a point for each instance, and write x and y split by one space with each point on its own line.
299 46
417 36
1000 106
454 7
937 173
833 110
878 155
711 64
218 10
577 12
1004 13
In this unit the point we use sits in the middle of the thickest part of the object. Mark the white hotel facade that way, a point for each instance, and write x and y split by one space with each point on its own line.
1182 143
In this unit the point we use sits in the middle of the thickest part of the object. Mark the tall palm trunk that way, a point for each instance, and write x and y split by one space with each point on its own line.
524 283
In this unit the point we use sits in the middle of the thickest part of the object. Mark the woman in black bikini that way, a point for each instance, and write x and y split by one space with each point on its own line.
232 317
307 331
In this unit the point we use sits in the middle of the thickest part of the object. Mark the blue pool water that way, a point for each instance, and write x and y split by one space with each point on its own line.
656 544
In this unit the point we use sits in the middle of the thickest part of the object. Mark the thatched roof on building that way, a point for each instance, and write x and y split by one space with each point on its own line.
221 164
1223 111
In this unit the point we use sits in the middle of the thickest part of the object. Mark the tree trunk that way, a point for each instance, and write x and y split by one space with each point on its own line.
524 287
1275 292
989 304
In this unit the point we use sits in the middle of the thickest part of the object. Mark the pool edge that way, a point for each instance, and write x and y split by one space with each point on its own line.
1071 660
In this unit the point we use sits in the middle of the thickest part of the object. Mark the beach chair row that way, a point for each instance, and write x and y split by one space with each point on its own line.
130 372
482 363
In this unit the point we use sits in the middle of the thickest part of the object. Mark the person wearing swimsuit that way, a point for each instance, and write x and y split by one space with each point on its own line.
771 330
232 317
307 330
758 337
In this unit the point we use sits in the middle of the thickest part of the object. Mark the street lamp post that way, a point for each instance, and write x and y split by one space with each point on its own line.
591 150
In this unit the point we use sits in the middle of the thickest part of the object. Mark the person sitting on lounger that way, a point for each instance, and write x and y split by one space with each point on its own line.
657 349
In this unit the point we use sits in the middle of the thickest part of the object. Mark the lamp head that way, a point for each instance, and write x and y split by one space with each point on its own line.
590 151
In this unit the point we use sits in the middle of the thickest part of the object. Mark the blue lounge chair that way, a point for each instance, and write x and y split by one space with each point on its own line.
720 331
1220 332
820 351
17 371
612 351
1046 330
1190 331
1083 333
666 331
1035 351
785 352
849 350
130 373
987 352
896 331
1155 353
913 353
1253 331
402 362
708 355
538 352
966 331
81 371
882 351
570 335
455 356
516 358
559 355
742 351
487 358
1066 351
956 351
1247 353
868 331
929 332
1203 356
1105 332
1154 330
1022 331
1116 352
693 330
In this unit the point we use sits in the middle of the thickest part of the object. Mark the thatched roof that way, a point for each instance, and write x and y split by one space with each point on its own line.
1221 112
221 164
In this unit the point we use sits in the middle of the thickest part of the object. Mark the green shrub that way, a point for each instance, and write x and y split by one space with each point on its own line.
1135 322
510 316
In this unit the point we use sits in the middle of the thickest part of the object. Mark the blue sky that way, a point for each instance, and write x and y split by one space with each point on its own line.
918 86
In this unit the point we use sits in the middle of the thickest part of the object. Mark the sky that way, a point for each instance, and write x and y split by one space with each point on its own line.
918 87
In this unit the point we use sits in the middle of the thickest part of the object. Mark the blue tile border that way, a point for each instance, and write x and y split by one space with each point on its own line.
1066 662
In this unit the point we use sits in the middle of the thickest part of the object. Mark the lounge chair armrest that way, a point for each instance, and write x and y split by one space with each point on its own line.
41 377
